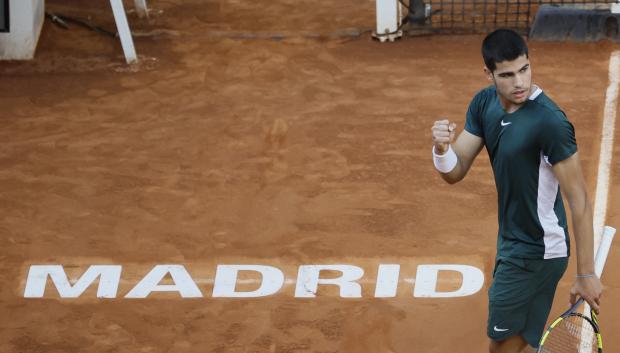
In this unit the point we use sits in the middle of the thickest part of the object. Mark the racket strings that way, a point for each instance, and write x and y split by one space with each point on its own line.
572 335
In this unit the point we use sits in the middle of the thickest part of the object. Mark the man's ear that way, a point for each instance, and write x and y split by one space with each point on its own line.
488 73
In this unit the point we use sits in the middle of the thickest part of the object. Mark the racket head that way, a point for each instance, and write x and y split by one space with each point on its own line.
572 332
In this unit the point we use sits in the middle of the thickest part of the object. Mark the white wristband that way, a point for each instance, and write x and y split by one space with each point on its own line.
446 162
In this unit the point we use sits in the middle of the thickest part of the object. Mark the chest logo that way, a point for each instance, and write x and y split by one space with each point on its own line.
505 124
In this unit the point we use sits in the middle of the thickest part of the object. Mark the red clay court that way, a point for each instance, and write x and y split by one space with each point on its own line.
260 133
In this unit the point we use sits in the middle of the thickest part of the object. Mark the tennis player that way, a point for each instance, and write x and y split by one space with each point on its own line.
533 153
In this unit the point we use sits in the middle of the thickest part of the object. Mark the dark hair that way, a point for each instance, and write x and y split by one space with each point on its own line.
502 45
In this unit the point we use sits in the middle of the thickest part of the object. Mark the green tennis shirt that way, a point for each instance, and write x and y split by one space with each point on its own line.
522 147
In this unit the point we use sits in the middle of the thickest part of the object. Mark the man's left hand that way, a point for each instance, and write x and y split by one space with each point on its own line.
590 289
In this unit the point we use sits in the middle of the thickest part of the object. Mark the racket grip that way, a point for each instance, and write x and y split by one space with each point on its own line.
603 250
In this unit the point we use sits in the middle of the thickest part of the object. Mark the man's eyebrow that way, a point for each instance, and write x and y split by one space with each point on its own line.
505 73
511 72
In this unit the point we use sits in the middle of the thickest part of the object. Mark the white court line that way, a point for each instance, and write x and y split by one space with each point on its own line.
604 167
607 142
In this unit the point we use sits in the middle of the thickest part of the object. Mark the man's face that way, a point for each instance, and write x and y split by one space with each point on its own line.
512 79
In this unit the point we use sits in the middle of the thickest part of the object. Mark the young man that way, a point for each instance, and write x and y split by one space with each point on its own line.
533 154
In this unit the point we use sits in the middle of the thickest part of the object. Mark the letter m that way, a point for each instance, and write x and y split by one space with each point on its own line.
109 277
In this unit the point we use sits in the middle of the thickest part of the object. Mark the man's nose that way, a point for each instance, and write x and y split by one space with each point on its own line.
518 81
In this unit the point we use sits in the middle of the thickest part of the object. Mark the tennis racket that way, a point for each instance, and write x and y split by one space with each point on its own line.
574 332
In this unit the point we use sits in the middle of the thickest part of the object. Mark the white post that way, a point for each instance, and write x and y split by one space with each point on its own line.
25 22
388 20
123 31
141 9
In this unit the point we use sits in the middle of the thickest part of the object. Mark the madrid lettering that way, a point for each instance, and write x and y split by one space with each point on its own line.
271 281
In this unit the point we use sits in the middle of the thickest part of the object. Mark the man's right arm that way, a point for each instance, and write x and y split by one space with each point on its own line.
465 149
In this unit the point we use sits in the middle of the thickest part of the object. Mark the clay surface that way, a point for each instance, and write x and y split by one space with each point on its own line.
275 133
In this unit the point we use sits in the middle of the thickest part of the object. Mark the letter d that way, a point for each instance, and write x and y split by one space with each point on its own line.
226 281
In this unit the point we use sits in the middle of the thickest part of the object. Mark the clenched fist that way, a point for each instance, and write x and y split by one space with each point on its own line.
443 135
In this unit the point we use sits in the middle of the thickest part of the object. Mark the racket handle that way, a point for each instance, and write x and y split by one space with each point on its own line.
603 250
599 261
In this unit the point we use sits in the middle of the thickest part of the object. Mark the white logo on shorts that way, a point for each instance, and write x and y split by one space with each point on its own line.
499 329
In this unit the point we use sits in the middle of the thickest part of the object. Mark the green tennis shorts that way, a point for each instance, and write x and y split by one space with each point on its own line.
521 295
